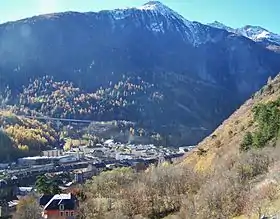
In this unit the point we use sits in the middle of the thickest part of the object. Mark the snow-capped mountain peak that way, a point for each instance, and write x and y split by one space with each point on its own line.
152 5
255 33
161 20
159 8
156 6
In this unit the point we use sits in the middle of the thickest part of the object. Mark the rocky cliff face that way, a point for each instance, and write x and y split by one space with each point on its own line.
203 72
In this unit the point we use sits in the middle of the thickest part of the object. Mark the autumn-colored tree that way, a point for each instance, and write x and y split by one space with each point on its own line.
28 208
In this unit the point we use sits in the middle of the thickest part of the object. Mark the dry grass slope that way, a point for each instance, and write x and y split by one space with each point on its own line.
224 142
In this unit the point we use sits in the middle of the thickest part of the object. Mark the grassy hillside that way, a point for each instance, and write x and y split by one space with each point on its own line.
225 142
234 173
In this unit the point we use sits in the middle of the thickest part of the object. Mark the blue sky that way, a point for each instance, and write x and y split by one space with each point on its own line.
234 13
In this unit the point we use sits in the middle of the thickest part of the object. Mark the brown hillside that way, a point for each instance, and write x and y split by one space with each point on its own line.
224 142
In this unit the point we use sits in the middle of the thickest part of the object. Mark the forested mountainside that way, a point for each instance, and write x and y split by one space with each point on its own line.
23 137
195 74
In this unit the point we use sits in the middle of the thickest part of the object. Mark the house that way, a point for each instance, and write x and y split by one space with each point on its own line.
61 206
109 143
25 190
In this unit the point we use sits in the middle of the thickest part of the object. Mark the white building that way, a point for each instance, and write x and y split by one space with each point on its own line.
36 160
123 156
68 158
109 142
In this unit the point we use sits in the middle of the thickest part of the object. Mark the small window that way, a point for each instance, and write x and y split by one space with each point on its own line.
72 213
61 207
67 213
61 213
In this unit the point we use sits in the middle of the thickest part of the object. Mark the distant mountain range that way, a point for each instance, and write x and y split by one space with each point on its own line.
201 73
255 33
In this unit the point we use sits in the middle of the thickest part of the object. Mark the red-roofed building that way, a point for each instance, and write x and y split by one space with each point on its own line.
61 206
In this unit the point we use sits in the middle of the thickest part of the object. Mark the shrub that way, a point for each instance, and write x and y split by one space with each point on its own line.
213 136
222 197
201 152
218 143
251 164
247 142
250 123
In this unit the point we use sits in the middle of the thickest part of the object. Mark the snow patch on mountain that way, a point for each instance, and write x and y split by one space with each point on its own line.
263 34
157 27
119 14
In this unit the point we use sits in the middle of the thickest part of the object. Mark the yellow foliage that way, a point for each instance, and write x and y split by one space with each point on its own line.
23 147
68 145
165 164
27 134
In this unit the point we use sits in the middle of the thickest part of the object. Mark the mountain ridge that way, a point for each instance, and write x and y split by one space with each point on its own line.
255 33
203 73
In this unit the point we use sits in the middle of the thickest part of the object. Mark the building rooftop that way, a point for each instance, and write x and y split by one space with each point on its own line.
67 200
44 199
25 189
34 158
